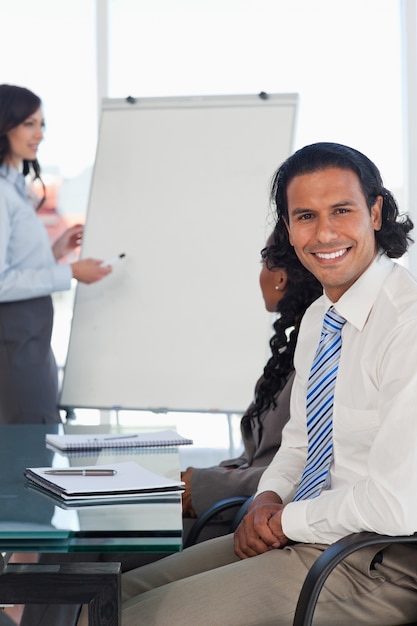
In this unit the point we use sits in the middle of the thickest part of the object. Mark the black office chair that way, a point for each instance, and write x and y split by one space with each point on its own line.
322 567
239 502
326 563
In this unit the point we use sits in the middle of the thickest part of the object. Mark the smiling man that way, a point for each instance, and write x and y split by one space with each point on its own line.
348 459
331 227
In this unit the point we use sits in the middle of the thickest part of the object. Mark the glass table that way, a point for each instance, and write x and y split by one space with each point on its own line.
33 522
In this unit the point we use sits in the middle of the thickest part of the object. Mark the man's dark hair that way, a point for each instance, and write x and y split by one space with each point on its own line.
393 236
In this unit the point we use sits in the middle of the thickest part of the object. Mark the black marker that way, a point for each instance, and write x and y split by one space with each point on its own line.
113 260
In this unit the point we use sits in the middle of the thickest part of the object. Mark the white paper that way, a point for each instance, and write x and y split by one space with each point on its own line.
130 479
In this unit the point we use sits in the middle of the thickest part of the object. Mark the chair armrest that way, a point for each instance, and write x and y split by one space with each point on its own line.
327 561
212 511
241 514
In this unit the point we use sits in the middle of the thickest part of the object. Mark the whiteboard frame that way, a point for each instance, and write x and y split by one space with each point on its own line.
70 398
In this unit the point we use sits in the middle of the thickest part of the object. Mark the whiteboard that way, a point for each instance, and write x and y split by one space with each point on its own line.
181 186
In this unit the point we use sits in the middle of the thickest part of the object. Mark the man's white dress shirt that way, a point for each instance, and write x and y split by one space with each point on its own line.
374 470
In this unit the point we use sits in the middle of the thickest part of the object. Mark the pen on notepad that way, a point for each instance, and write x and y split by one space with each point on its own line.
81 472
112 438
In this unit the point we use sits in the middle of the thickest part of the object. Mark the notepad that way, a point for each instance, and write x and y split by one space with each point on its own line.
130 480
162 438
166 497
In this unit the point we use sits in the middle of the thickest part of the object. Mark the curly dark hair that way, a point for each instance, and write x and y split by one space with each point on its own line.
392 238
16 105
301 290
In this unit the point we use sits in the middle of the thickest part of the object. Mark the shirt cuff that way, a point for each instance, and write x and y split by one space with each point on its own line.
294 522
62 276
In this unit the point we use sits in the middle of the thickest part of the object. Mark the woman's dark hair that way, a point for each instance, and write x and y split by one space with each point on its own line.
301 290
16 105
393 236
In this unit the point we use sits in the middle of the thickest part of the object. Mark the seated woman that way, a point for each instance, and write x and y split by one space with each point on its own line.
287 288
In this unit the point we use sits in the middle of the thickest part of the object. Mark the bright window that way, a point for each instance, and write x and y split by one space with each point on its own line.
343 58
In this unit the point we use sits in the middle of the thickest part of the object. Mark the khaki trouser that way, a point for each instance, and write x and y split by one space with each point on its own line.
209 586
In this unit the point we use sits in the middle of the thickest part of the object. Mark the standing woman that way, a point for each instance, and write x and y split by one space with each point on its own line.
29 269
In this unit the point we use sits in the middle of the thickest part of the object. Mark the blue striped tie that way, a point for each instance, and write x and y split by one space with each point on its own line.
320 394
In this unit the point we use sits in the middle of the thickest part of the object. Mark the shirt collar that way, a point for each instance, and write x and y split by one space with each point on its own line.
357 302
13 176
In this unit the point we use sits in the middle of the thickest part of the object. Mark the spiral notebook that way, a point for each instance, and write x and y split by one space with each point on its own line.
161 438
112 453
124 481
